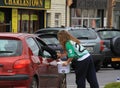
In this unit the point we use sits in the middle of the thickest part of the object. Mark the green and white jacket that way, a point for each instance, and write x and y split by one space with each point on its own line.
76 51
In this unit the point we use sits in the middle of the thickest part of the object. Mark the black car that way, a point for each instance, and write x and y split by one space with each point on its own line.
111 38
88 37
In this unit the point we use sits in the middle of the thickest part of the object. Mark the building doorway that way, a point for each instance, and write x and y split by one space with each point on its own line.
28 21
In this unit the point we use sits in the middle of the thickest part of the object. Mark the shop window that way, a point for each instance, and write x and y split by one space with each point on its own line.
85 22
85 17
57 19
25 22
76 12
76 22
33 22
28 21
92 13
85 13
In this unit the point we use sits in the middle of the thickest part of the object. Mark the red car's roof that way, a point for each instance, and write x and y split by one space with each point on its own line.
9 34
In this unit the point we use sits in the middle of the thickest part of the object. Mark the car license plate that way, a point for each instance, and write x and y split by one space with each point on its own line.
115 59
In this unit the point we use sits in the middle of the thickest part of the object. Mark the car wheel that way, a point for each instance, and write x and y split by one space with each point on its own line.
63 83
34 83
115 45
116 65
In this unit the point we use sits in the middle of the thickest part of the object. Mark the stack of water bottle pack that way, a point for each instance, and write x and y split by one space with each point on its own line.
63 69
59 64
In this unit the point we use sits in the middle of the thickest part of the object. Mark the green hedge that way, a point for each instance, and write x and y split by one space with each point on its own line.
113 85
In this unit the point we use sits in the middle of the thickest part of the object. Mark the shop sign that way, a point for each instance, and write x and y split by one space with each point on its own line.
24 3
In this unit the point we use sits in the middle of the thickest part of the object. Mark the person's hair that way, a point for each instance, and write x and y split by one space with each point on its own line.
64 36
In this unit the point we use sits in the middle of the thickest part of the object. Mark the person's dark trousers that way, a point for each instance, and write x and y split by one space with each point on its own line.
85 70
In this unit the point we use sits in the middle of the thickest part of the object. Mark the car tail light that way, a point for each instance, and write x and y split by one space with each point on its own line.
101 45
21 63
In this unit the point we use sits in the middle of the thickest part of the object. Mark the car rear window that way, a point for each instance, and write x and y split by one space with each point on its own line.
108 34
50 40
83 33
10 47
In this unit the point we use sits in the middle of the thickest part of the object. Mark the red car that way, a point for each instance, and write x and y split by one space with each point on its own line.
21 63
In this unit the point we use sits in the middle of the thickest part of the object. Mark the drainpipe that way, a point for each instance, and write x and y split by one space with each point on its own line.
109 13
66 13
68 4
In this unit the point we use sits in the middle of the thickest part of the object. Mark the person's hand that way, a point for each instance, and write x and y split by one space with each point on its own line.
65 63
59 55
45 61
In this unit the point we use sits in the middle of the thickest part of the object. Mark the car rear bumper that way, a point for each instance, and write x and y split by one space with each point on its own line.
14 77
20 81
108 55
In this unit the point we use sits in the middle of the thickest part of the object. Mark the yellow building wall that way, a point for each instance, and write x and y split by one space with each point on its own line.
14 20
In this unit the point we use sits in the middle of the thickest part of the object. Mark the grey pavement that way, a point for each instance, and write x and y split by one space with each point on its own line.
105 76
